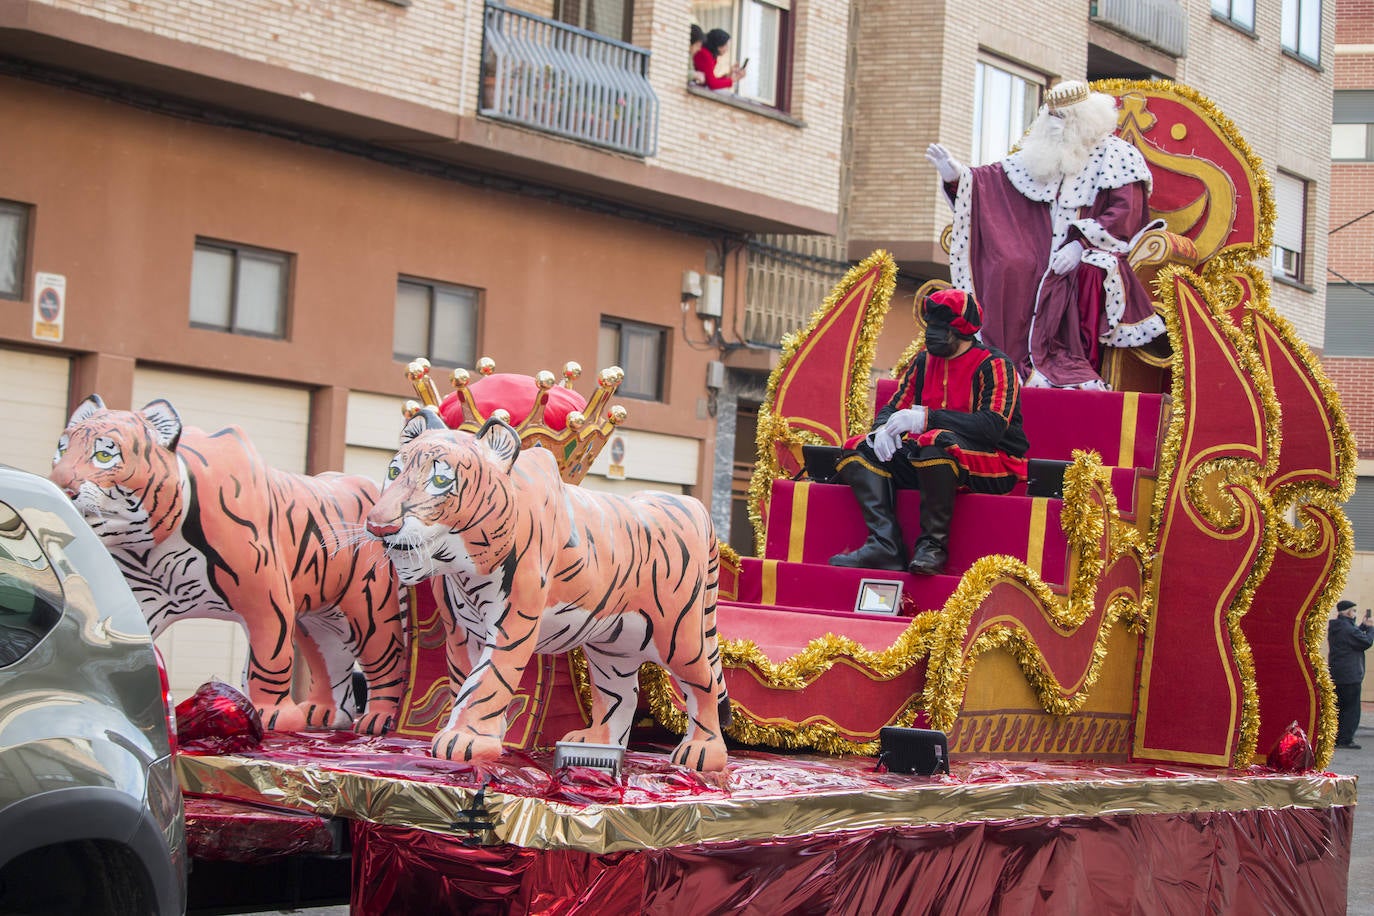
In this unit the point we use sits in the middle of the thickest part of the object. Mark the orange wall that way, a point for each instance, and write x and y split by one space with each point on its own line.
121 194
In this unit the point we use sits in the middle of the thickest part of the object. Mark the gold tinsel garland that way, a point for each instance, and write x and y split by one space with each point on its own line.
1320 496
1210 485
1240 256
1089 514
799 671
858 400
1314 625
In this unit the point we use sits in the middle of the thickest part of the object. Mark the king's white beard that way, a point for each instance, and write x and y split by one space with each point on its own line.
1056 148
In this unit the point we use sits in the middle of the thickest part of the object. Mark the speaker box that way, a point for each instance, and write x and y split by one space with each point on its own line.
920 751
819 461
1045 477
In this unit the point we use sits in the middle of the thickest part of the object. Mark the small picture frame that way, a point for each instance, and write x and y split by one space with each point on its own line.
878 596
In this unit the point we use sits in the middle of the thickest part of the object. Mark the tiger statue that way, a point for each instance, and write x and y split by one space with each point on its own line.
202 527
528 564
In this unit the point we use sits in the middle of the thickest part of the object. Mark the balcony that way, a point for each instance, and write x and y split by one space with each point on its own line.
563 80
1161 24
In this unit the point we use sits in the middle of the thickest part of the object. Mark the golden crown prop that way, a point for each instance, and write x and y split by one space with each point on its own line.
1066 94
575 446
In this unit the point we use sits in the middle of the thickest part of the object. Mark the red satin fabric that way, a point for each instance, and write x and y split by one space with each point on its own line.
1263 861
219 830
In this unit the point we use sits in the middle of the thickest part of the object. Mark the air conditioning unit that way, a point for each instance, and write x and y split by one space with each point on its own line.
1161 24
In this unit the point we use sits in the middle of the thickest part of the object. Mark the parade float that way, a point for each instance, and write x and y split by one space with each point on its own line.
1122 658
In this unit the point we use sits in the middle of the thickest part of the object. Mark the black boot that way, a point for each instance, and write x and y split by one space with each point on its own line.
883 549
938 485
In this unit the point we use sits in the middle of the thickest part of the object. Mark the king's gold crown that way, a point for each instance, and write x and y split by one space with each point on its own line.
1066 94
575 446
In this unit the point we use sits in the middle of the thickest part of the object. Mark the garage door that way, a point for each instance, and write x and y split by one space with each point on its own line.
33 408
373 432
275 417
649 461
277 420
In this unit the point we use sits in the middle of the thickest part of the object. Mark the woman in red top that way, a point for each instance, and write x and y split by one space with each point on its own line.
707 57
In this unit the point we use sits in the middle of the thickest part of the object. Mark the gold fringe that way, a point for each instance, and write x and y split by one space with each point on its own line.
1308 498
858 400
1096 536
797 672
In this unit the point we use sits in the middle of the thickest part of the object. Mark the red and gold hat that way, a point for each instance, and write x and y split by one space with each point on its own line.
956 308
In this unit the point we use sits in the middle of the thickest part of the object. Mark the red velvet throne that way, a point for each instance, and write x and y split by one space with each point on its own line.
1165 608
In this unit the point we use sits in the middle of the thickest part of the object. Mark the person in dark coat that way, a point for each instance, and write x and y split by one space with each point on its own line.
1347 644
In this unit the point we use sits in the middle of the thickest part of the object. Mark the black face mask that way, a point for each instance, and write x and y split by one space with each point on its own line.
940 339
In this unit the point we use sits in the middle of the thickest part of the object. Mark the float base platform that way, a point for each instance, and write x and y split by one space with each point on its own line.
803 834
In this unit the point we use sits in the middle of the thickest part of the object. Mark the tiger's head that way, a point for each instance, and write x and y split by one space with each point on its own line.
121 471
449 503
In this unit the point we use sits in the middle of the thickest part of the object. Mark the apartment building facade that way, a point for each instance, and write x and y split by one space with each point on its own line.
262 211
1349 347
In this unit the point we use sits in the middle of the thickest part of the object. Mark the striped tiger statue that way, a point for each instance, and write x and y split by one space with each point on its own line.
203 528
529 564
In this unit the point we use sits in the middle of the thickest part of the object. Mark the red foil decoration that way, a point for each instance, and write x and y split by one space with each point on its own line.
1199 862
1292 753
217 719
219 830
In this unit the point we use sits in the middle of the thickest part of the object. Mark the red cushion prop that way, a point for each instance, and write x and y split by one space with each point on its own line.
516 393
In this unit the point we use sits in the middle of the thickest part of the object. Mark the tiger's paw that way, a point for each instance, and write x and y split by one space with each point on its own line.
375 723
286 717
707 756
325 717
589 736
465 746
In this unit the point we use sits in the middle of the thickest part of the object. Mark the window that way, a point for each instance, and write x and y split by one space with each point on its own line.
1352 130
1301 33
1349 330
1360 510
1290 226
31 599
436 321
760 33
1004 104
14 248
604 17
239 289
1238 12
639 349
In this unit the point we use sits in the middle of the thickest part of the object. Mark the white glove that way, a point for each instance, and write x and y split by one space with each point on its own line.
1066 258
944 163
884 443
888 437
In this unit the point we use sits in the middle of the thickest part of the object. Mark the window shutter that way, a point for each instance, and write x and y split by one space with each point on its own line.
1360 510
1289 200
1349 320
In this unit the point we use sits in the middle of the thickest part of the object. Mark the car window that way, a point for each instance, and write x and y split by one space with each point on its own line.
30 593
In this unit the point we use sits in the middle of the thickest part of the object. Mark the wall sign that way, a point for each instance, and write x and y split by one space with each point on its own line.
49 306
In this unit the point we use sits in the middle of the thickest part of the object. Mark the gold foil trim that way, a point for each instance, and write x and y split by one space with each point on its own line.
858 401
598 829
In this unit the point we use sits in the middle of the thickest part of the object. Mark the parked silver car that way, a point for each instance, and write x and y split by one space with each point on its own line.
90 810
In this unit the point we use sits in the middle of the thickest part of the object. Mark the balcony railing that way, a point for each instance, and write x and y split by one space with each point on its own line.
1162 24
567 81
